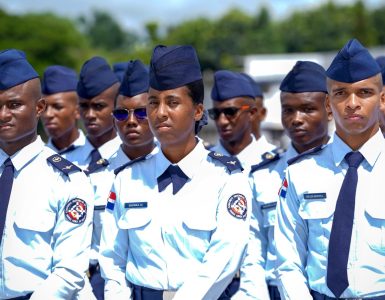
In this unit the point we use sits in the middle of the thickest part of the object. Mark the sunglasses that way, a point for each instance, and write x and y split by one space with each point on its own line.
229 112
122 114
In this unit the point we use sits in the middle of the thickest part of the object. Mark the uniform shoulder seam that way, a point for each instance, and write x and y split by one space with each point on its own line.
62 164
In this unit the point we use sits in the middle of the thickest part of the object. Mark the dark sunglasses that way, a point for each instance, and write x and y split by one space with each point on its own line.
122 114
229 112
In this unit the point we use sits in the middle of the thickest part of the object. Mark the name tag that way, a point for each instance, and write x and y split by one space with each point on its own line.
269 205
135 205
314 196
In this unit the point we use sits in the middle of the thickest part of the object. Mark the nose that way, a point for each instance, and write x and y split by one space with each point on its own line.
353 102
297 118
161 112
222 119
90 114
5 114
48 113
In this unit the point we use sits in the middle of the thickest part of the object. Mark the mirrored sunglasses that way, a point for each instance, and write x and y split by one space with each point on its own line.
229 112
122 114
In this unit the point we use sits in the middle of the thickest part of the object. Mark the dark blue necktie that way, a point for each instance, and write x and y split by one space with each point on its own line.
174 175
6 181
97 161
341 234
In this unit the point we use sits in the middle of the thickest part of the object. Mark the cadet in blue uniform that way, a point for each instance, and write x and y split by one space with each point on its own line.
305 121
181 215
330 217
97 88
45 201
233 112
62 114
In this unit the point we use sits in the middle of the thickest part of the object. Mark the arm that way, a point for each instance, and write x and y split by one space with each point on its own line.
70 242
291 234
226 249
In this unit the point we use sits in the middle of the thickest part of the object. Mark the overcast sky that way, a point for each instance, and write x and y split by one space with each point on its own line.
134 14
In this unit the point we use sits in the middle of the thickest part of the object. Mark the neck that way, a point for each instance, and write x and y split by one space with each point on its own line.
235 147
66 139
98 141
175 153
12 147
356 141
133 152
300 148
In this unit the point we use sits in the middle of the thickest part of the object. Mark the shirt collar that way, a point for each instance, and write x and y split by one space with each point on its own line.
108 149
371 150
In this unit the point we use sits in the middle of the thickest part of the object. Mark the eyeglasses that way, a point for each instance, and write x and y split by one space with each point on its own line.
229 112
122 114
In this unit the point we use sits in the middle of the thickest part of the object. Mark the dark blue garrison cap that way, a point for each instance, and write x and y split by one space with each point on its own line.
256 88
95 77
14 69
381 62
135 80
173 67
353 63
305 76
119 69
58 79
228 84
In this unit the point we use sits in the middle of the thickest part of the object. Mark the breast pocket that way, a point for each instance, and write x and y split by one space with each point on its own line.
318 214
269 213
375 232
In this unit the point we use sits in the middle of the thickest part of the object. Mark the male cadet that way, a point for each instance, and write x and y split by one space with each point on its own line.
62 114
233 112
119 69
97 88
45 201
305 121
381 62
330 218
261 111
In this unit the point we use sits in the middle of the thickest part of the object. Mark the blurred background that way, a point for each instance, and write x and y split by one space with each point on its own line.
262 38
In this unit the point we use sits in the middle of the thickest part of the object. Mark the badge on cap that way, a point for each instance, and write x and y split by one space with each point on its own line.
76 211
237 206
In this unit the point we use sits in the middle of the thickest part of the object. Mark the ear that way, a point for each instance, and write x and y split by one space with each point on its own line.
77 113
198 111
40 107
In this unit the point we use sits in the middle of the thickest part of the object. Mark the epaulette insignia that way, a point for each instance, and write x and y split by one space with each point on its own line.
130 163
62 164
268 158
232 163
308 152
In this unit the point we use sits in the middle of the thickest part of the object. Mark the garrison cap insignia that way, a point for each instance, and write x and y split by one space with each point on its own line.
62 164
237 206
75 211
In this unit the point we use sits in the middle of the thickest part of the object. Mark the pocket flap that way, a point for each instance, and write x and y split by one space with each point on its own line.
316 209
42 221
134 218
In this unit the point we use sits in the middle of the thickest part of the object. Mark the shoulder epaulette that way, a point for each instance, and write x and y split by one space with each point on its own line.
62 164
268 158
130 163
303 154
231 163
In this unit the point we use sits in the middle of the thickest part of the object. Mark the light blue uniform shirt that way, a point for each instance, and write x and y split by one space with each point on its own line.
42 251
305 216
259 264
189 242
251 155
71 152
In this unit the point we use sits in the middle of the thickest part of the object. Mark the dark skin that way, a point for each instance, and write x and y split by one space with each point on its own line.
172 115
20 110
382 115
260 115
136 135
305 119
97 118
355 107
235 132
60 118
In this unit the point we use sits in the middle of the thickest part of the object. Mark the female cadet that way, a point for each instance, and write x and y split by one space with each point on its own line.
182 214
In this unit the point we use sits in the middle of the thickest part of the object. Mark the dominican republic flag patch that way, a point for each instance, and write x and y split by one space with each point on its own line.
111 201
283 190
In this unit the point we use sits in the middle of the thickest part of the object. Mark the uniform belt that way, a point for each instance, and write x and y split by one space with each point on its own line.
318 296
145 293
274 292
21 297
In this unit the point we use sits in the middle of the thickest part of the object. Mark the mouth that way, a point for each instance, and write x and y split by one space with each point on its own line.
354 117
298 132
5 126
162 126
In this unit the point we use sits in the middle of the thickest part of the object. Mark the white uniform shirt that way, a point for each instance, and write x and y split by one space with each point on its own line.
305 216
42 251
69 153
187 242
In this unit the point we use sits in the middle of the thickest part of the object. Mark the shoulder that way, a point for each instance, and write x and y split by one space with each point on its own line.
231 163
267 159
314 151
64 166
130 163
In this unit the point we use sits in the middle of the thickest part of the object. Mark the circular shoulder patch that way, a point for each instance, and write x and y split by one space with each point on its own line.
237 206
76 211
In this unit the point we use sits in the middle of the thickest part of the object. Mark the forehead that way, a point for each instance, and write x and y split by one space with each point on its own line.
132 102
229 102
63 97
368 83
20 92
306 98
180 92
